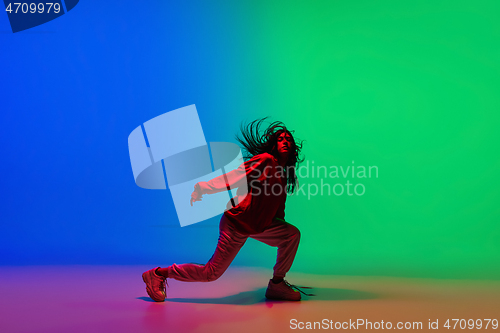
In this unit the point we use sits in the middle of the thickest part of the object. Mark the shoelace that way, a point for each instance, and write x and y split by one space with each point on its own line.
298 288
162 282
162 285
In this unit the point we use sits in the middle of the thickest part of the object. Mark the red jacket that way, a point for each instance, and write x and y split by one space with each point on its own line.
264 198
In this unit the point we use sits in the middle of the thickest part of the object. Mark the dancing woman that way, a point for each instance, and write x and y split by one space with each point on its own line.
258 212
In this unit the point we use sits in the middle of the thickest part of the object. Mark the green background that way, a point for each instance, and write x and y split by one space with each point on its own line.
411 87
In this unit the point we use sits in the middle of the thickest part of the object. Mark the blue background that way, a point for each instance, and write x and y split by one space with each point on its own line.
72 91
409 87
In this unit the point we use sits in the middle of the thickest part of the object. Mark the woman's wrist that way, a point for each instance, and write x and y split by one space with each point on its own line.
198 187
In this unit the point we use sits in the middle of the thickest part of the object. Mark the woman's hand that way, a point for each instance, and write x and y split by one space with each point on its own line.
196 195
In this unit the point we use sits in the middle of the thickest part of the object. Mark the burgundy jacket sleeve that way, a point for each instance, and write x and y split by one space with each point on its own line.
236 177
280 213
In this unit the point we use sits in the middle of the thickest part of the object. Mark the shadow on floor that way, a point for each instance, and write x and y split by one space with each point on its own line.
257 296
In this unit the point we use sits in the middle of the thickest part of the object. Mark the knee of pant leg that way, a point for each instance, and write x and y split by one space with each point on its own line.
294 232
212 277
211 274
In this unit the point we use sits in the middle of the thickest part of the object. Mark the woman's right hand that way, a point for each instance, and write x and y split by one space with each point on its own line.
196 195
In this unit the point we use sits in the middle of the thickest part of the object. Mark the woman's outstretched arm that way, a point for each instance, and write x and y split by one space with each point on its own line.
230 180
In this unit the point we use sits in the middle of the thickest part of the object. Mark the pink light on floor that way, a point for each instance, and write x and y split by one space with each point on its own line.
114 299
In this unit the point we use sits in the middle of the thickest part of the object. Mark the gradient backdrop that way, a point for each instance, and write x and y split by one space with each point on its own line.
411 87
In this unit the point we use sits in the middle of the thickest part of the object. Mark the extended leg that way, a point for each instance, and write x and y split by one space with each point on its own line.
228 246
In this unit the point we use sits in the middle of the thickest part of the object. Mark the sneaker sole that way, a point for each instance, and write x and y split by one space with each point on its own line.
277 298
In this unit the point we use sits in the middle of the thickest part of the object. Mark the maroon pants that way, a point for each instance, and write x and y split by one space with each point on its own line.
279 234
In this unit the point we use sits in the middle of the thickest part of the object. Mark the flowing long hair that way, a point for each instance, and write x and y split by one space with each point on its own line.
257 141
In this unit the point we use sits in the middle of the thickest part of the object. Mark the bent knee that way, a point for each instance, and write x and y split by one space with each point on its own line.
212 277
294 232
212 274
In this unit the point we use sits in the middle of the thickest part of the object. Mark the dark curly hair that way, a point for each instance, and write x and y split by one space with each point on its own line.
255 141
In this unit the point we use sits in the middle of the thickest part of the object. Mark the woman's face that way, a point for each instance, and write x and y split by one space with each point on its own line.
285 144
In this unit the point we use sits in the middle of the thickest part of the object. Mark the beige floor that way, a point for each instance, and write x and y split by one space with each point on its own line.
113 298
